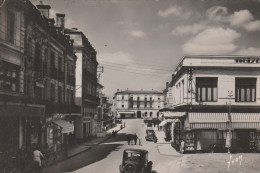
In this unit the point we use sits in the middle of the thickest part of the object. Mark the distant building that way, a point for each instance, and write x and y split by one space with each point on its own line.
204 90
138 104
86 84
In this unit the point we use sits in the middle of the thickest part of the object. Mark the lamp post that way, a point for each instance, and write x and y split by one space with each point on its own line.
228 138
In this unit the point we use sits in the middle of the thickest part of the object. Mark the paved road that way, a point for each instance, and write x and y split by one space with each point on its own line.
107 156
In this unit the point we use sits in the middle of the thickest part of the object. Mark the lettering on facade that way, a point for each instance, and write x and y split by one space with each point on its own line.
248 60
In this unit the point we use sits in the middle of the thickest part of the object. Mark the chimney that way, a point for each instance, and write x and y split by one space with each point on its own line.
60 20
167 84
117 90
44 9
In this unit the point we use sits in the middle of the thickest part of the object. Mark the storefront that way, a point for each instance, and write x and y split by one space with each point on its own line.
20 125
205 129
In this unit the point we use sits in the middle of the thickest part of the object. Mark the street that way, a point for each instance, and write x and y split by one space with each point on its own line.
108 155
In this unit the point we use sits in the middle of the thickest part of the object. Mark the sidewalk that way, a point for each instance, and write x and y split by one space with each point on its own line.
77 149
165 148
80 148
213 163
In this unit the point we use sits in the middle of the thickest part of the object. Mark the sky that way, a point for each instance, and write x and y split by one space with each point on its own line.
140 42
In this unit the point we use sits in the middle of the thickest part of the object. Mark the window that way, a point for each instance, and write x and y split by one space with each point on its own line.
122 97
37 59
206 89
52 60
123 106
145 102
59 94
29 48
9 76
245 89
131 102
138 103
52 92
10 26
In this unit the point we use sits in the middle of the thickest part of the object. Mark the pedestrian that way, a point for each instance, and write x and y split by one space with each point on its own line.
22 158
37 155
135 138
182 146
128 139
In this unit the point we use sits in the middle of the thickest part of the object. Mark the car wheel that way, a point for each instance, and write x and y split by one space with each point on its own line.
130 168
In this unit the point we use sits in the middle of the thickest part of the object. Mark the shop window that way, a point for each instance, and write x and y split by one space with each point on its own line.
10 26
206 89
245 89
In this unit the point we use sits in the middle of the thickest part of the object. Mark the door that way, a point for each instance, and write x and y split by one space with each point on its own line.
84 130
243 140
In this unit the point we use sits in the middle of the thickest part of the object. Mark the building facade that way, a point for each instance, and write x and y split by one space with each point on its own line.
138 104
86 84
215 100
37 78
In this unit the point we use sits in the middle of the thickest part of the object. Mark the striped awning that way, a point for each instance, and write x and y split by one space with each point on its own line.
126 112
163 123
169 114
218 120
66 126
197 117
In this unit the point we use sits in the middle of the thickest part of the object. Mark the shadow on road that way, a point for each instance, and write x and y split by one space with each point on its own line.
95 154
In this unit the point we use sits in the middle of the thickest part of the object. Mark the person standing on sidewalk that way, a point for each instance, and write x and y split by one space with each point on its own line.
37 155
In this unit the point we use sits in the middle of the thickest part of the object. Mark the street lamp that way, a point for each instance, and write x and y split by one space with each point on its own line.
228 138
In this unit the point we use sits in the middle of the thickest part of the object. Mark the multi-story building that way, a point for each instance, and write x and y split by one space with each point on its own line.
215 100
12 35
86 84
138 104
37 83
50 78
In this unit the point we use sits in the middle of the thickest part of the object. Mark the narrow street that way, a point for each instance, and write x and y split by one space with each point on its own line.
108 155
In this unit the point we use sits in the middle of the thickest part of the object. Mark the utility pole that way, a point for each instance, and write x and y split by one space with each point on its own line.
190 90
100 69
229 122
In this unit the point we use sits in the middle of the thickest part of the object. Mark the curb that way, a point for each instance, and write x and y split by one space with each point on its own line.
177 155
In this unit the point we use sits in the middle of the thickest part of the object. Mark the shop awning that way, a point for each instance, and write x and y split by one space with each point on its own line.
169 114
66 126
163 123
218 120
126 112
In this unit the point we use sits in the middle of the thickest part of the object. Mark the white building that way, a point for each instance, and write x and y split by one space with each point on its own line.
138 104
204 89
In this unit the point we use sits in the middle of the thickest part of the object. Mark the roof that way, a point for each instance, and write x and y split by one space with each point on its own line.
138 92
135 149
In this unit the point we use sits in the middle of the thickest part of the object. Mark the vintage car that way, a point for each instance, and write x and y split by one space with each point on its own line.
150 135
135 161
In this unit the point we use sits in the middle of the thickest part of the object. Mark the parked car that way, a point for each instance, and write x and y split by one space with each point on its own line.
135 161
150 135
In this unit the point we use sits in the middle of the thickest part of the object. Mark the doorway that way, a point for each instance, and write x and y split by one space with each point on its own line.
242 138
139 114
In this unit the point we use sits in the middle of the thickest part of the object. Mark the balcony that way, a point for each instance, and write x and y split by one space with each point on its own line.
92 98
